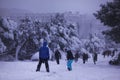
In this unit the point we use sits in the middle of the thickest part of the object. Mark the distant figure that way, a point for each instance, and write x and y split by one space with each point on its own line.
43 57
84 57
57 56
106 53
94 58
69 60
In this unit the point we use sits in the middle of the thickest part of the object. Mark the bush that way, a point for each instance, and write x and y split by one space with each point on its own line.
6 57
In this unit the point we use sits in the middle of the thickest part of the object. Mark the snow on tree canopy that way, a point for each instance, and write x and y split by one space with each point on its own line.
75 43
62 33
10 25
97 42
83 50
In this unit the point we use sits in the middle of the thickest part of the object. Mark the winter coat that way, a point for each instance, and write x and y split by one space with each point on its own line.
57 54
69 55
95 57
44 52
85 56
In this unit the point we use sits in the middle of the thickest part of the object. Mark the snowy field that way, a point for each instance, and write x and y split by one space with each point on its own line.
26 71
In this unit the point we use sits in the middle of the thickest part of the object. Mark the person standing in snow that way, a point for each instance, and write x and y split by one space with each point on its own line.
43 57
69 60
84 57
94 58
57 56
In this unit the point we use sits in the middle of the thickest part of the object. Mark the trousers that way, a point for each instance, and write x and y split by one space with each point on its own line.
69 64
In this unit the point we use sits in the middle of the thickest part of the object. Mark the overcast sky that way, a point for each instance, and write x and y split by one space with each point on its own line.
44 6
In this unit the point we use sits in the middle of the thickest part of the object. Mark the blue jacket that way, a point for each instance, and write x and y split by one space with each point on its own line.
44 51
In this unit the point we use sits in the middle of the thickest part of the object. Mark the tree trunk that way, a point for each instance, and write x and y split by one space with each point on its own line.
18 49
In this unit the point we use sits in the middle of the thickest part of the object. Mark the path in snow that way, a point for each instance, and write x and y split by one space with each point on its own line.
26 71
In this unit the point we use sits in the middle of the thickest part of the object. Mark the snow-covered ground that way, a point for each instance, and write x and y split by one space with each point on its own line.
26 71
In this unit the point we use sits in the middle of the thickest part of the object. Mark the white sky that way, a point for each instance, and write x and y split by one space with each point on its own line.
83 6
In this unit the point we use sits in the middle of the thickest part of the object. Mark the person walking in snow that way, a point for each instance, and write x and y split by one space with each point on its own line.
57 56
43 57
94 58
69 60
84 57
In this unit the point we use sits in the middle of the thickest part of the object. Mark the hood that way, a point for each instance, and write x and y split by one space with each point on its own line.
45 44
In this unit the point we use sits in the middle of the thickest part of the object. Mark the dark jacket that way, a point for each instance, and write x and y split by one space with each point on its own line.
57 54
69 55
95 56
85 56
44 51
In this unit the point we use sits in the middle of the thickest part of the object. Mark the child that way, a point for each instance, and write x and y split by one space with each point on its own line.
69 60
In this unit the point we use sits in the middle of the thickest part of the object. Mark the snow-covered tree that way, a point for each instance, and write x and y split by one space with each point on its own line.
27 31
63 33
109 15
7 28
25 37
59 33
94 44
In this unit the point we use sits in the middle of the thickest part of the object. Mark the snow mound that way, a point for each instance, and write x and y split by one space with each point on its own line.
35 57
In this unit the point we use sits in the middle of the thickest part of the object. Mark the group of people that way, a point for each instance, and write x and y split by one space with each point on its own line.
44 57
85 57
109 52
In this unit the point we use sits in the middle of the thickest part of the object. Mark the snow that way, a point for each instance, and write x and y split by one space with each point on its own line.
83 50
10 25
35 56
26 71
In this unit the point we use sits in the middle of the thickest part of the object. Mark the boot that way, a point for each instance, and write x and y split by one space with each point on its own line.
47 70
69 69
37 70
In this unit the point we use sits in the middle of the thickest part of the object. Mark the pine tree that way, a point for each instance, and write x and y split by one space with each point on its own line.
7 28
109 14
63 33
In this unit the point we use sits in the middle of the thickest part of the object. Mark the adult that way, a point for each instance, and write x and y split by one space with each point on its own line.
94 58
84 57
57 56
69 60
43 57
